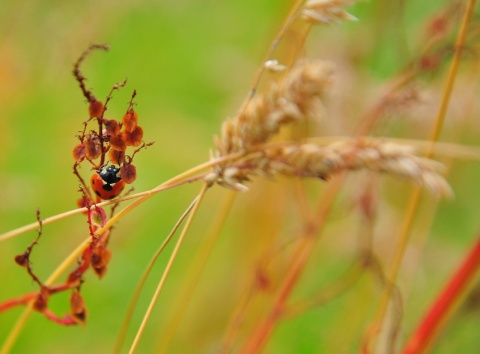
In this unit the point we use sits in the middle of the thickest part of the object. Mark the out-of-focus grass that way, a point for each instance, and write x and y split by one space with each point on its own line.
191 63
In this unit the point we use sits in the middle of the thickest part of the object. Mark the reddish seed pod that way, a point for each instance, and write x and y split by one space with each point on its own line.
83 202
93 147
130 120
112 127
41 302
77 307
100 256
22 260
78 152
128 173
116 142
96 109
116 156
133 138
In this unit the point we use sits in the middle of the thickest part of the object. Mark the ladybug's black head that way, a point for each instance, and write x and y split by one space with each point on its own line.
110 175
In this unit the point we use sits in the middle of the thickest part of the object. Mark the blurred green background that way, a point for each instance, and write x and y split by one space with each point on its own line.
191 63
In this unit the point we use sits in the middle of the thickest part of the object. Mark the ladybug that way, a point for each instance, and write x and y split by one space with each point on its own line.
107 183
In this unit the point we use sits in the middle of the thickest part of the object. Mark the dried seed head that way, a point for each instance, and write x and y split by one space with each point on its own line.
96 109
130 120
100 256
79 152
294 99
128 172
93 146
41 301
117 142
116 157
77 308
112 127
374 155
311 160
22 259
133 138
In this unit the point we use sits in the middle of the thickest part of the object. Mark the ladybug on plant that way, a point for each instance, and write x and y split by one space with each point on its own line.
107 140
107 183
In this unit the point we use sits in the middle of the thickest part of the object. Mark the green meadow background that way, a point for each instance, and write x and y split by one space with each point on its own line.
191 63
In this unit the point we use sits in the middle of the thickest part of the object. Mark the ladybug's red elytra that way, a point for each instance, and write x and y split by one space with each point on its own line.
107 183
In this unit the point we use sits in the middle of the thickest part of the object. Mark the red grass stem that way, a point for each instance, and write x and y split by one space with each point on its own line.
438 313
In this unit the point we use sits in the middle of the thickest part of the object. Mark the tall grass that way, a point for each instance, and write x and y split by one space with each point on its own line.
337 201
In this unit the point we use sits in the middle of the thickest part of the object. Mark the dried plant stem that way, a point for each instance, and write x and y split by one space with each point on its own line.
444 149
179 179
166 272
185 177
415 197
298 263
194 273
442 307
20 323
131 308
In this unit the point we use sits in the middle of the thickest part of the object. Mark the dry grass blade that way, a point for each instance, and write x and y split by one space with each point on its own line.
194 274
133 302
166 272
